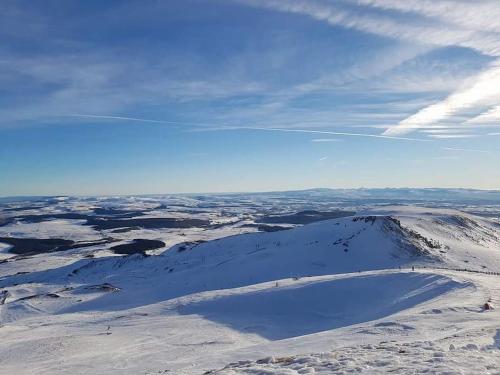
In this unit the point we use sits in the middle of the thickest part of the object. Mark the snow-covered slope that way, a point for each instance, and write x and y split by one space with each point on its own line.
200 306
391 240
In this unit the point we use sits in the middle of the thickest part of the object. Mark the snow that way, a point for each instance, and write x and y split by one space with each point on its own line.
4 251
395 358
68 229
194 333
338 296
311 306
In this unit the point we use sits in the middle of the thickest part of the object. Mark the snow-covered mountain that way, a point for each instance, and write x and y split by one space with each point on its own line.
201 305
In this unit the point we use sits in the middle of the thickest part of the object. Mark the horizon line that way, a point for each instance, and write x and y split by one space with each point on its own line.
495 190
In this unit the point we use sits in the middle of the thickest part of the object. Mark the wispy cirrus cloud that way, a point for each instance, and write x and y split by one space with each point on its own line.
492 116
281 79
424 32
473 15
440 23
386 77
484 91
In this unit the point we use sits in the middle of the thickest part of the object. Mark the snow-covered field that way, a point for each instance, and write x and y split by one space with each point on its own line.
389 289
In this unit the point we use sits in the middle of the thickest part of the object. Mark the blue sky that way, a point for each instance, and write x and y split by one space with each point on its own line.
129 97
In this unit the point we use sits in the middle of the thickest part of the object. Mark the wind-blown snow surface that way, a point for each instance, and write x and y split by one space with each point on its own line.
336 296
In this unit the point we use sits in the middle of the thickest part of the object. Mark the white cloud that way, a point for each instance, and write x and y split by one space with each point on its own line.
475 15
97 82
474 25
484 91
438 34
491 116
446 130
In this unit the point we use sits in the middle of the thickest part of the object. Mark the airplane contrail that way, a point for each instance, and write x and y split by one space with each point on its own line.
340 133
118 118
280 130
137 119
249 128
466 149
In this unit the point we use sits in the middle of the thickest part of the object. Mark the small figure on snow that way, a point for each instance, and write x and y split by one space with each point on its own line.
3 296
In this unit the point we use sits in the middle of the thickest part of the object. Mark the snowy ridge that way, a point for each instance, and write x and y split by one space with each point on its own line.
353 244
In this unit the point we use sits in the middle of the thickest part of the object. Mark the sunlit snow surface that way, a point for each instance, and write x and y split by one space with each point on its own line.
334 296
